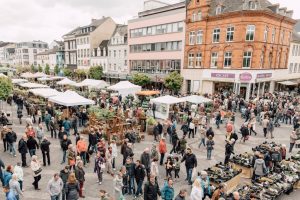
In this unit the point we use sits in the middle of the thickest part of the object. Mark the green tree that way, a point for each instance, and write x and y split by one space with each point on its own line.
80 73
7 65
96 72
32 68
47 69
174 81
56 70
68 72
6 87
40 69
140 79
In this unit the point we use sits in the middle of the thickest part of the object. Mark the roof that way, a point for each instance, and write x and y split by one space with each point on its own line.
3 44
121 29
98 22
47 52
74 31
103 44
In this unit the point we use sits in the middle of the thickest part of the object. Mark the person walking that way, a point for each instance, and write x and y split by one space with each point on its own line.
36 170
67 126
139 173
11 138
162 150
196 193
293 138
45 148
259 168
15 186
270 128
40 133
167 192
23 149
64 146
64 175
32 145
265 124
80 176
190 163
3 137
118 185
47 120
202 136
72 188
151 189
114 153
82 149
209 146
99 167
7 175
228 150
205 184
93 140
55 186
182 194
145 161
52 128
175 140
18 170
20 115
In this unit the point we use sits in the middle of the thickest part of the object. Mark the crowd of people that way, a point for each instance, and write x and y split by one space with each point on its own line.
137 177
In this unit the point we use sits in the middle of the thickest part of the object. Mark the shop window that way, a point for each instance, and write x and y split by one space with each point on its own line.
214 60
230 33
227 59
216 35
192 38
199 37
191 60
250 33
247 59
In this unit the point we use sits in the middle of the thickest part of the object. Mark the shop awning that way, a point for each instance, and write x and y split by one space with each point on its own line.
71 98
45 92
287 83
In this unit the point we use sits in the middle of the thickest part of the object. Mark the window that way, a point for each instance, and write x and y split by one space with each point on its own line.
169 28
192 38
296 50
291 68
282 36
194 17
273 35
199 37
247 59
227 59
125 53
191 60
214 60
199 15
230 33
262 59
266 34
198 59
250 33
252 5
218 10
115 53
175 27
295 67
216 35
180 26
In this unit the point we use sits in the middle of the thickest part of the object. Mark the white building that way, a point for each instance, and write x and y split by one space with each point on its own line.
26 52
7 54
48 57
100 56
117 53
294 55
70 49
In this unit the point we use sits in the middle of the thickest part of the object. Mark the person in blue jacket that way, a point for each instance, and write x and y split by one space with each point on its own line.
167 192
9 193
205 184
7 175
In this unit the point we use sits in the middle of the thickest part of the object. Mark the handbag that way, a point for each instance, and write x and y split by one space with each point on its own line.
102 166
38 171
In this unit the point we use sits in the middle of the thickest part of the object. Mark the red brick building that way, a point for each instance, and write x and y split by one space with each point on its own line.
237 45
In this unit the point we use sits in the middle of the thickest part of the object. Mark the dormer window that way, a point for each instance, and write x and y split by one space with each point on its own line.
219 10
252 5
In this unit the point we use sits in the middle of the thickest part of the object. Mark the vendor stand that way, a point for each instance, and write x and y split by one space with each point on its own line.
125 88
243 162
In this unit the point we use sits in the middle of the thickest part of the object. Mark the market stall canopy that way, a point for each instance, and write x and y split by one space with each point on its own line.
3 75
45 92
33 85
92 83
167 100
27 75
148 93
44 79
125 88
39 75
66 81
18 81
288 83
71 98
57 78
196 99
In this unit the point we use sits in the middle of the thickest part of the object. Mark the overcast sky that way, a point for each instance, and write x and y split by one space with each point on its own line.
25 20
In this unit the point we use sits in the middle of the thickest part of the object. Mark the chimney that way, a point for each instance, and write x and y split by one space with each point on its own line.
93 20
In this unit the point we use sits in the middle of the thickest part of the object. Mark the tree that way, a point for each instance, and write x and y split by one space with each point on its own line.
6 87
56 70
7 65
68 72
40 69
47 69
32 68
174 81
80 73
96 72
140 79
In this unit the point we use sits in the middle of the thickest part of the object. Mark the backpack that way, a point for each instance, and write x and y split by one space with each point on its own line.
9 137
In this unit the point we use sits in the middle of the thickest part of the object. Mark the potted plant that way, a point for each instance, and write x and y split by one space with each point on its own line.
151 122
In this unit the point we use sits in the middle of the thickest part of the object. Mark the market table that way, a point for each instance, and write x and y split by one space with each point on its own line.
230 184
246 171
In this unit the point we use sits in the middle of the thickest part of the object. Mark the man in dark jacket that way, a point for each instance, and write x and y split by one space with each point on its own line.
93 140
32 146
64 174
190 163
11 138
175 140
181 195
3 120
151 189
64 146
23 150
127 152
45 150
145 160
228 150
130 169
210 132
139 174
80 176
185 128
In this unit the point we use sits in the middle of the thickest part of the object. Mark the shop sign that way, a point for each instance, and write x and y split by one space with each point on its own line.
264 75
222 75
245 76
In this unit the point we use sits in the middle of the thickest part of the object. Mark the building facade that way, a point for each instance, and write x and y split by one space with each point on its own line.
294 55
117 53
70 49
100 56
7 54
26 52
240 46
156 41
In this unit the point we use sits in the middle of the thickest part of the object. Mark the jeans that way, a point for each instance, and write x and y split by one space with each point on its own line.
139 187
21 184
36 182
23 156
83 157
291 147
80 188
32 152
64 156
55 197
5 144
218 123
162 155
189 172
131 186
202 141
47 125
46 154
12 148
209 154
63 193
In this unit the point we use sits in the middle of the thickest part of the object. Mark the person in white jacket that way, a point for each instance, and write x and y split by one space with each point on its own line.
18 170
154 168
196 192
114 153
15 186
36 171
55 186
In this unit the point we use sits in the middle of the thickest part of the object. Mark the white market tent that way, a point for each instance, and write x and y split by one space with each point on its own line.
39 75
92 83
44 79
56 78
33 85
45 92
27 75
70 98
18 81
288 83
66 81
163 105
3 75
196 99
125 88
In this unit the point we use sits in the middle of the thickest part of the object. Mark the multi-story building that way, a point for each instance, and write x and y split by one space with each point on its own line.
100 56
117 53
156 40
294 55
70 49
7 54
26 52
89 38
236 45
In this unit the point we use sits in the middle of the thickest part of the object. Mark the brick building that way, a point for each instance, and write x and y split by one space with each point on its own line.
236 45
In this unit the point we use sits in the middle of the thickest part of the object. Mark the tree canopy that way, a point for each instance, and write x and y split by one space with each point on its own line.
40 69
174 81
47 69
140 79
32 68
96 72
6 87
56 70
67 72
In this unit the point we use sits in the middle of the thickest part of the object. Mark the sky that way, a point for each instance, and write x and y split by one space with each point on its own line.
48 20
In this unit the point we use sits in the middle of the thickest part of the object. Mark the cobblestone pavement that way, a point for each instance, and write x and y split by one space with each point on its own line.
92 188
